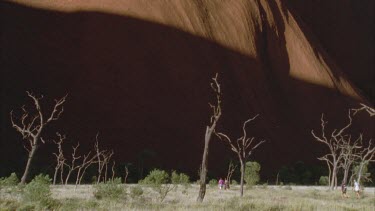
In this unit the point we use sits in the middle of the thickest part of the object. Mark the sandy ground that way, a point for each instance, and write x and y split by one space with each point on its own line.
85 191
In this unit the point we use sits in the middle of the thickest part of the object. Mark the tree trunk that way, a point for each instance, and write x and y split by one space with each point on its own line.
67 177
62 173
203 173
55 175
242 176
78 175
29 160
334 177
329 175
346 174
360 172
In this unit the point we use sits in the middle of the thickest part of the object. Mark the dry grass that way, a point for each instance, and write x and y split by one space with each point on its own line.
257 198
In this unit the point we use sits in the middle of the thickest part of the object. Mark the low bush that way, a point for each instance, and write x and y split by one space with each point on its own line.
136 192
38 193
252 174
156 176
323 180
180 178
12 180
213 183
109 190
159 181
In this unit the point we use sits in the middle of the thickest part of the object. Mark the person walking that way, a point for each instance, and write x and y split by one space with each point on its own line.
343 190
221 183
356 188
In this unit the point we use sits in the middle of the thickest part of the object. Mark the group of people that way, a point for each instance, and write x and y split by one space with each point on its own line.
223 184
356 189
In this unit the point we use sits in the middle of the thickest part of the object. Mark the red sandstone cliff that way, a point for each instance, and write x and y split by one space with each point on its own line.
139 72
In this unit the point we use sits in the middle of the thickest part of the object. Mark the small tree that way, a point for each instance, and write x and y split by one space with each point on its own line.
252 173
60 159
209 131
31 125
243 147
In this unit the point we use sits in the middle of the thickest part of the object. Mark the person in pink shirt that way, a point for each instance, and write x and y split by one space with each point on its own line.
221 183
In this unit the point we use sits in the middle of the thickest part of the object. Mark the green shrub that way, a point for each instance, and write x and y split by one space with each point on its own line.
136 192
323 180
12 180
38 193
181 178
109 190
213 183
78 204
158 180
234 182
38 189
156 176
252 173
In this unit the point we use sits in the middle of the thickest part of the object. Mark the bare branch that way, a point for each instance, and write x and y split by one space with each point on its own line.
369 110
57 109
222 135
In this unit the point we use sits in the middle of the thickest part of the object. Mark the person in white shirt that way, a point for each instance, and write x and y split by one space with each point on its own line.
356 188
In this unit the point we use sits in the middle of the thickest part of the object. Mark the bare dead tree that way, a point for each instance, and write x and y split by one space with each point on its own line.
215 85
87 161
231 169
113 170
31 126
60 159
243 147
99 161
106 158
348 151
103 158
333 142
72 166
365 156
126 174
329 164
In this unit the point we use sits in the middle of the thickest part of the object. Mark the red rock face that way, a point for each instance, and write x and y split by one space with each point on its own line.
139 72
